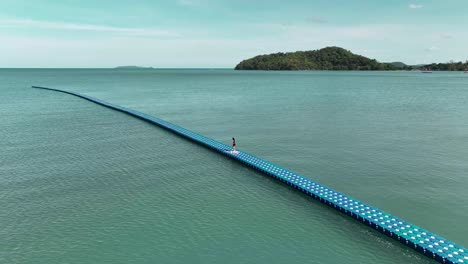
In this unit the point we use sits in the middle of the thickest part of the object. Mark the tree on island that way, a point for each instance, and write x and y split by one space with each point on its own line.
330 58
449 66
334 59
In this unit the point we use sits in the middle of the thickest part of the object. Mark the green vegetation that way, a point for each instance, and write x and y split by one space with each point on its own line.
335 59
330 58
399 65
450 66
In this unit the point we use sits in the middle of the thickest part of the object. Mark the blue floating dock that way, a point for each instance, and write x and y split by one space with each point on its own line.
423 241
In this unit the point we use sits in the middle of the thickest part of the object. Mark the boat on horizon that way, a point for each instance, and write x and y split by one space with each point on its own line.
426 71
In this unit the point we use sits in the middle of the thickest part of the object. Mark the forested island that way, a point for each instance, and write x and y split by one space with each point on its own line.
330 58
450 66
333 59
133 68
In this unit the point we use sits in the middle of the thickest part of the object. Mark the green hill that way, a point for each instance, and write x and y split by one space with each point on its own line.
330 58
398 64
449 66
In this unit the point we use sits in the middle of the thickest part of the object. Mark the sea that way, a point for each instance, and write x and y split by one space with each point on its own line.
81 183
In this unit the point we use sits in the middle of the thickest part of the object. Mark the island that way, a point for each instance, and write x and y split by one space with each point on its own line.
334 59
133 68
329 58
449 66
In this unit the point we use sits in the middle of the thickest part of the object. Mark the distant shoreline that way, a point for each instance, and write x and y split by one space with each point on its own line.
133 68
336 59
218 69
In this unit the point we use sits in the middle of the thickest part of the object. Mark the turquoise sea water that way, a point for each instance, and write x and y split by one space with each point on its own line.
80 183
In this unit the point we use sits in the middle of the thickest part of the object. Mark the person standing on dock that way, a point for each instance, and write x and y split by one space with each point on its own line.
233 144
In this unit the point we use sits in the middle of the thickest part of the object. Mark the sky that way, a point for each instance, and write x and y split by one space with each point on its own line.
221 33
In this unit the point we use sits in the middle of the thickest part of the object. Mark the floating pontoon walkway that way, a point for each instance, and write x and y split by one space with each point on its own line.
423 241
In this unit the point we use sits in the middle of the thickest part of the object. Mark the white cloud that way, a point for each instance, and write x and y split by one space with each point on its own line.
415 6
36 24
200 48
446 36
119 50
433 48
331 32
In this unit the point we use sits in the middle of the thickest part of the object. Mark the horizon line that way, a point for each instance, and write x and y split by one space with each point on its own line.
117 68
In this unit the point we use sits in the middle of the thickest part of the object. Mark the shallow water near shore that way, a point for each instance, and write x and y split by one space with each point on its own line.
80 183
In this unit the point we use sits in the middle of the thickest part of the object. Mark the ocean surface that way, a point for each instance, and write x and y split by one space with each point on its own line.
80 183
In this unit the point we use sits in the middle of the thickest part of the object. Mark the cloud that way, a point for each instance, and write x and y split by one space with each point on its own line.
415 6
433 48
120 50
316 19
446 36
36 24
207 48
